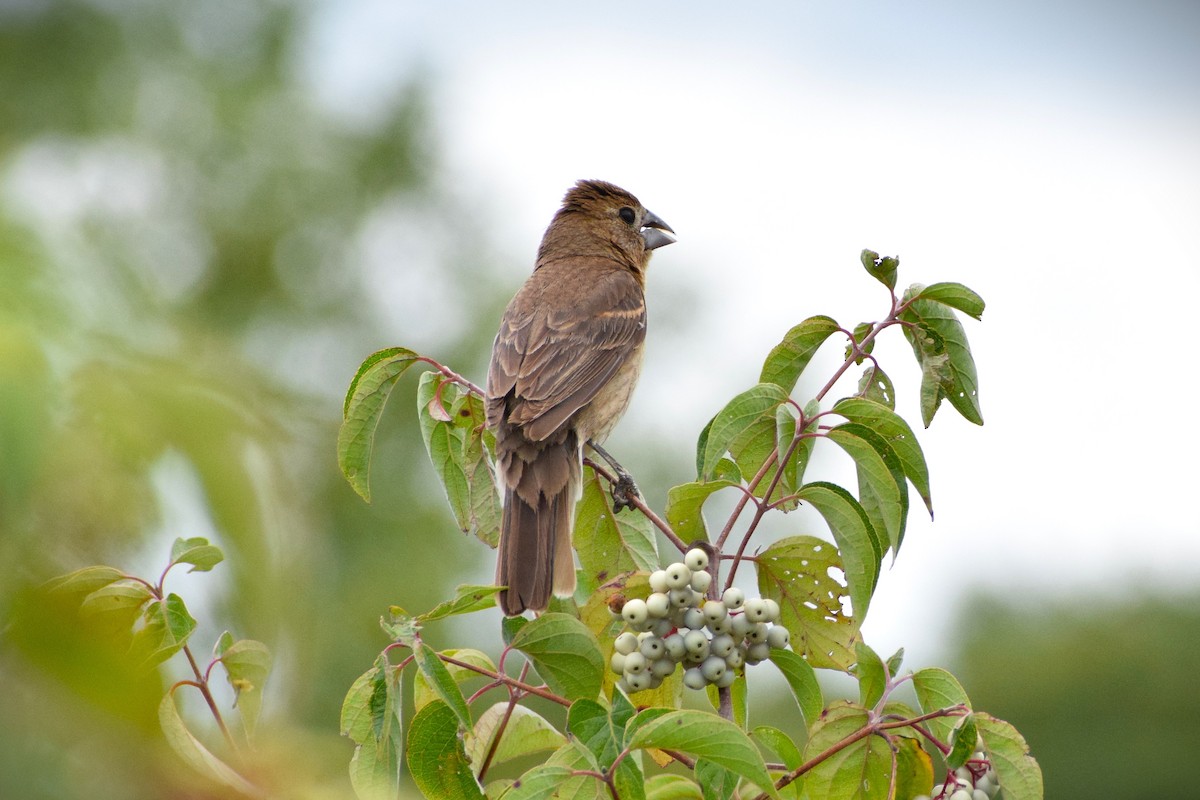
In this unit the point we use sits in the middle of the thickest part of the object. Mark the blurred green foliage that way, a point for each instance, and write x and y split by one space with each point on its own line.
192 254
1104 692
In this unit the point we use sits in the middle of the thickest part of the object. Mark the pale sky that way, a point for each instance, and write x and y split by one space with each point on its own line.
1049 158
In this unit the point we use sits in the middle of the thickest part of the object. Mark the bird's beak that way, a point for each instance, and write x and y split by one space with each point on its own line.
656 232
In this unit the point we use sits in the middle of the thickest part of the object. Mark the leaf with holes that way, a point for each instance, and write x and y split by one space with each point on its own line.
798 573
858 544
882 269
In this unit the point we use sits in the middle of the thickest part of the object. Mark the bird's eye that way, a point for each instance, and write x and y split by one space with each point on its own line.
626 213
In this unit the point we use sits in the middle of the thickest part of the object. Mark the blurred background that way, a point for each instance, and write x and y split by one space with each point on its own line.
210 212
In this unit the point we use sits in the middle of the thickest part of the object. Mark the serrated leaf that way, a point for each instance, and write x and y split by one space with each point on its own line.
872 679
198 552
859 771
436 758
858 544
467 599
1019 775
362 409
802 680
84 581
797 572
684 508
247 664
746 417
876 386
882 269
787 360
609 543
565 653
525 733
956 296
710 737
899 435
955 378
195 754
962 742
936 689
167 626
442 682
882 488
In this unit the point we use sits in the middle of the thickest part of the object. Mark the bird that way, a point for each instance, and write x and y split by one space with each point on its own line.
564 365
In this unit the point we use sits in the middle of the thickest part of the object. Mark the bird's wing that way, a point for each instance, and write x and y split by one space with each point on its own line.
557 356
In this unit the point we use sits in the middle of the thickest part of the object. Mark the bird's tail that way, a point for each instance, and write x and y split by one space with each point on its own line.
535 556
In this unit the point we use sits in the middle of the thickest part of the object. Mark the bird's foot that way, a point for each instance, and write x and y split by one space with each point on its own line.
623 492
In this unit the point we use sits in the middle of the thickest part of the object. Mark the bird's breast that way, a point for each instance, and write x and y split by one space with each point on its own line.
597 419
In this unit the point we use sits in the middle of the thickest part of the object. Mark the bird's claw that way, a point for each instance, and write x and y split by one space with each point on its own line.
623 493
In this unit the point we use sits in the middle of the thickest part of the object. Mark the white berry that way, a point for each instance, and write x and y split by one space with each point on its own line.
733 598
634 611
696 559
679 576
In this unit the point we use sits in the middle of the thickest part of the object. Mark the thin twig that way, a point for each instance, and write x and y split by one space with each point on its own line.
538 691
514 695
637 502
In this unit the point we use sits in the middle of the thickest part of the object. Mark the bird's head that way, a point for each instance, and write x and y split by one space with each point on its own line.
598 218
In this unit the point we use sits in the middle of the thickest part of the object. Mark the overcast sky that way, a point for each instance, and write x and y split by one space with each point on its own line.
1046 155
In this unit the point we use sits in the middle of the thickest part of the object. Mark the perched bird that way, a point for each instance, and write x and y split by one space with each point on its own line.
563 368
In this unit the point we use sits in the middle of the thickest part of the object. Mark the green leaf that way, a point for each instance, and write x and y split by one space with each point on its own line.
629 781
876 386
195 754
509 627
362 409
247 664
749 414
859 771
872 679
442 682
565 653
115 606
436 758
424 691
706 736
788 359
882 488
197 552
525 733
538 783
166 630
894 662
940 345
859 334
936 689
1019 775
84 581
956 296
881 269
370 718
575 757
672 787
802 680
593 725
610 543
467 598
453 426
962 742
782 746
716 782
684 504
899 435
797 572
858 544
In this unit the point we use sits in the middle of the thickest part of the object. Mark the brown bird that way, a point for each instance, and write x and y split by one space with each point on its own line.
563 368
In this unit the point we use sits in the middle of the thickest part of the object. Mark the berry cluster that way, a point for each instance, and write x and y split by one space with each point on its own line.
975 780
677 625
